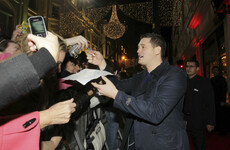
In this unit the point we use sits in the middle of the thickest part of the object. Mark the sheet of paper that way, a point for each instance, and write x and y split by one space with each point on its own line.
86 75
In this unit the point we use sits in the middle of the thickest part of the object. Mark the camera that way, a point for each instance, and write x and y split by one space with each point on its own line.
74 51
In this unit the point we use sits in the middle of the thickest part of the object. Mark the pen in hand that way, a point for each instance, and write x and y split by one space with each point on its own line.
91 51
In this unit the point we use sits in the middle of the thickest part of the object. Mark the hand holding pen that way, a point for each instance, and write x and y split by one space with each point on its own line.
90 51
96 58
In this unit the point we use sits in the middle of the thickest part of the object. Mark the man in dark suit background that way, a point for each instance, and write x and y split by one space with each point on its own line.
220 90
199 105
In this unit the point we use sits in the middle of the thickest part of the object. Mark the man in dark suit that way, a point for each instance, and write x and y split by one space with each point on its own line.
199 106
220 90
156 100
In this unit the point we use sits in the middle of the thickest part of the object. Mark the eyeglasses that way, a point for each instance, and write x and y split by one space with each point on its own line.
190 66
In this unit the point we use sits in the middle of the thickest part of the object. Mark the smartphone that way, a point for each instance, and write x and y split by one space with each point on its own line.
37 26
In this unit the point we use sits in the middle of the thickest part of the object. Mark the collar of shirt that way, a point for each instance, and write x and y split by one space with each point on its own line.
159 69
194 78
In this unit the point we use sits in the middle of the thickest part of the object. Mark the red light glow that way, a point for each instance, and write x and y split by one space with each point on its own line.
220 11
196 42
195 21
201 39
183 57
226 2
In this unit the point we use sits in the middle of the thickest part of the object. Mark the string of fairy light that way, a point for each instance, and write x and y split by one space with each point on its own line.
70 24
170 13
114 29
142 12
97 14
177 13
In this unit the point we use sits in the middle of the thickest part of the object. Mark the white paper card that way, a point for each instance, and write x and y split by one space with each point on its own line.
86 75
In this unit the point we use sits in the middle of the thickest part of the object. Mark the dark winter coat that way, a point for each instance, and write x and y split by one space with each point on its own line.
199 105
21 74
155 106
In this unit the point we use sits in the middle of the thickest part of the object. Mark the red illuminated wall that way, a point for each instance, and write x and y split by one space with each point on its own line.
195 21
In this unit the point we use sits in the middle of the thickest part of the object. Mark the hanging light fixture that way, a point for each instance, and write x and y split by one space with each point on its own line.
114 29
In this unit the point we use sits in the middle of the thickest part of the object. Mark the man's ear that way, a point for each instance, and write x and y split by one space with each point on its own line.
197 69
157 50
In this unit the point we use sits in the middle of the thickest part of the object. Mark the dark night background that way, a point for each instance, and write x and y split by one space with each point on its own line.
134 28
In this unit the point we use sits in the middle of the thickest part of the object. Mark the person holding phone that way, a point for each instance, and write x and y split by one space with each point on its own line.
21 74
34 67
46 117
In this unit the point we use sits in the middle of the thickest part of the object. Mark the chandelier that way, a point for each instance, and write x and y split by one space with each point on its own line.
114 29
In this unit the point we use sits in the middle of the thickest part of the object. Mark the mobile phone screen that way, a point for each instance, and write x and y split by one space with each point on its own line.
37 26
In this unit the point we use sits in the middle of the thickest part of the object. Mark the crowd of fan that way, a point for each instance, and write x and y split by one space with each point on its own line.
34 93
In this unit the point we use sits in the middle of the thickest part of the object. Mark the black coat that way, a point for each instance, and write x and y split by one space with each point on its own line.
199 106
155 108
79 93
220 89
21 74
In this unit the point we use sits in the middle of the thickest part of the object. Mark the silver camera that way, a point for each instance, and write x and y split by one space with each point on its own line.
74 51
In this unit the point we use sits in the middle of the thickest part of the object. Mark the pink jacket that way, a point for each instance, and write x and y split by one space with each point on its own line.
20 132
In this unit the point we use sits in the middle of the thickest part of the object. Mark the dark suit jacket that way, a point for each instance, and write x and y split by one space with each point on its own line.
199 105
156 108
220 89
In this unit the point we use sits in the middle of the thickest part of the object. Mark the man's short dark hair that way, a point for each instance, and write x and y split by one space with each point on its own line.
156 40
194 61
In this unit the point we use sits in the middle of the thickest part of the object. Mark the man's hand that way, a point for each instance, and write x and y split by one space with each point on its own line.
52 144
56 140
80 40
50 42
210 127
57 114
107 89
16 33
96 59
